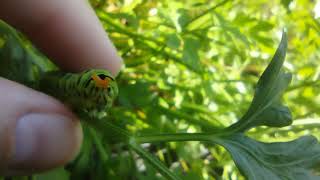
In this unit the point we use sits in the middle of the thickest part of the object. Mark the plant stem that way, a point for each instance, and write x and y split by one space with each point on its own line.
102 152
304 84
102 124
178 137
206 12
156 163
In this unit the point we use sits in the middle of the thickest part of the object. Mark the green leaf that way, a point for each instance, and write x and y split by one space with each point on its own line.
229 29
128 6
264 40
135 95
256 160
173 41
183 19
19 60
262 26
15 64
266 107
276 115
190 52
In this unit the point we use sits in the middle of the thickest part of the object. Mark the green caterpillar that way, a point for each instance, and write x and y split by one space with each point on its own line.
91 91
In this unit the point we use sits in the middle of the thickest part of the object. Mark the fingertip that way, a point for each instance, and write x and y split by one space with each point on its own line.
37 132
44 141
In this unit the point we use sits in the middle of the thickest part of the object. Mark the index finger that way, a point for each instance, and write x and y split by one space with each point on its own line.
68 32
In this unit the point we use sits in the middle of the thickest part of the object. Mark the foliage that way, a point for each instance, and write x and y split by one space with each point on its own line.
191 70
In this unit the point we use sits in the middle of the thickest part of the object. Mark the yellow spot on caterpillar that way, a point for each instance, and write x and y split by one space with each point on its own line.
101 83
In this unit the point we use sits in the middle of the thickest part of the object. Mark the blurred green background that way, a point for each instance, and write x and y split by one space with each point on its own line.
192 66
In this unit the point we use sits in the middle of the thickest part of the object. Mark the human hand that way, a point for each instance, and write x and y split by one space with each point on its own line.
36 131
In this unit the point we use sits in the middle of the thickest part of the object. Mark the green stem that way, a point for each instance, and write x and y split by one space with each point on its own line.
304 84
102 124
156 163
120 29
102 152
206 12
178 137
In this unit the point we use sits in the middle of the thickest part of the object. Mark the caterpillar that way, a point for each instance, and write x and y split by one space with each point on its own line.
91 90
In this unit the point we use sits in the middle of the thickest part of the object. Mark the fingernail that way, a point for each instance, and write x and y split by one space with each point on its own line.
43 140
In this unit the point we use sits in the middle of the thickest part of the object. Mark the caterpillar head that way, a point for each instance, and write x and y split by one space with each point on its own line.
102 87
104 81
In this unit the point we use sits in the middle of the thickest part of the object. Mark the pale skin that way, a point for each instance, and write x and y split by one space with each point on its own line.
37 132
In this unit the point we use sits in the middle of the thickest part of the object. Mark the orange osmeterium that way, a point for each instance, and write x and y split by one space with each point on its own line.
101 83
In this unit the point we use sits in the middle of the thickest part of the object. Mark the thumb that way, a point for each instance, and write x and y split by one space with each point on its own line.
36 131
